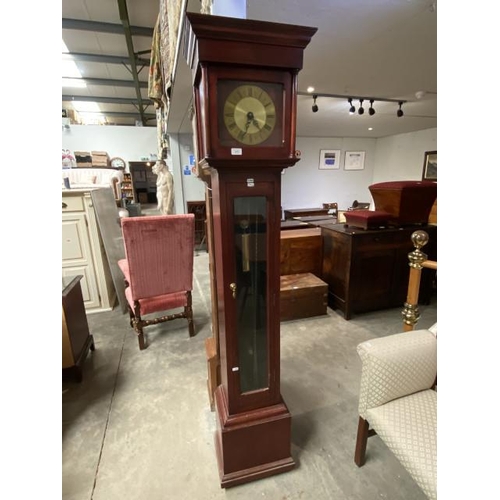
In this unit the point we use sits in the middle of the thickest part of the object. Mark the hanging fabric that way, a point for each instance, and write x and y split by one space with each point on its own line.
155 83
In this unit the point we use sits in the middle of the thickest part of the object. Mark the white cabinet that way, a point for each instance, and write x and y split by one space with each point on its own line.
83 251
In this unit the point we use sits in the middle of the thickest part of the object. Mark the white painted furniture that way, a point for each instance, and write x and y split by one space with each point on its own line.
83 251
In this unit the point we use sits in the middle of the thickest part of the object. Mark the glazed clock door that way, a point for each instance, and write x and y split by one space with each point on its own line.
252 295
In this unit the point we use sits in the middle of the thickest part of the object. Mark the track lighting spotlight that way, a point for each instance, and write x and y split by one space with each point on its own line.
371 111
352 109
361 110
315 106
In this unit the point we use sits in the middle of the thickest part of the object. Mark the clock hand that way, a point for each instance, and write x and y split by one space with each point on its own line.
246 127
251 121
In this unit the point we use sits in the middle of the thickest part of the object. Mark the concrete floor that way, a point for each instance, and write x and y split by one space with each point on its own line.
139 426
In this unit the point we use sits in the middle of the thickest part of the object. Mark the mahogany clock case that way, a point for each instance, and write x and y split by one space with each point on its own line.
253 436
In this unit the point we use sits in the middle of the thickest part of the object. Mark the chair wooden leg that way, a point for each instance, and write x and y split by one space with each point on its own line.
140 337
361 440
140 333
138 326
189 313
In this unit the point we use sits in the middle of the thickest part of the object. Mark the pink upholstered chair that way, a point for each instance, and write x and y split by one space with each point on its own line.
158 269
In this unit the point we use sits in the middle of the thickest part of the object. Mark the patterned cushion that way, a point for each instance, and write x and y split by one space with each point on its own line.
408 426
396 366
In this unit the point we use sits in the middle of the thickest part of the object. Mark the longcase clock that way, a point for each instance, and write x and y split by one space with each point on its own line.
245 97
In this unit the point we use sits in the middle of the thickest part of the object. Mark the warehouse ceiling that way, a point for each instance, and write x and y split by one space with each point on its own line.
384 50
108 45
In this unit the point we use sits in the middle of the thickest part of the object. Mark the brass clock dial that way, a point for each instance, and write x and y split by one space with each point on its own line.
249 114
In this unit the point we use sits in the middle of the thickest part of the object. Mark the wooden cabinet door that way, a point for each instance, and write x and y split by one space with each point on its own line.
77 256
372 279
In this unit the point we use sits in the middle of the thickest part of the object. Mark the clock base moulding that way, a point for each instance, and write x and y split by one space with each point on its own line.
251 445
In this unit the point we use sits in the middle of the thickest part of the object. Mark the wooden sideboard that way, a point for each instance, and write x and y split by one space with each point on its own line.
301 251
367 270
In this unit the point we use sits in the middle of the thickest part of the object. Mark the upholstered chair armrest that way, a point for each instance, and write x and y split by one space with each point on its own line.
396 366
117 190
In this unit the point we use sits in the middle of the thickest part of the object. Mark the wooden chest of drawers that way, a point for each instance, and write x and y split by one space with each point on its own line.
367 270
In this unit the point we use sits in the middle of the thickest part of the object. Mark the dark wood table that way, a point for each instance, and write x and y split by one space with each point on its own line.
317 220
302 212
293 224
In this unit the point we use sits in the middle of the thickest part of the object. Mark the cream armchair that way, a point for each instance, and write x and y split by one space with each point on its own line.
398 401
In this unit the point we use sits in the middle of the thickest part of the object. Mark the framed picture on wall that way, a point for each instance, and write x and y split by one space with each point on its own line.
430 171
329 159
354 160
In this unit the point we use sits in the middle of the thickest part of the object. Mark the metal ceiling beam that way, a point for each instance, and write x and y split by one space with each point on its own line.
109 100
145 117
122 7
100 58
117 29
115 83
131 114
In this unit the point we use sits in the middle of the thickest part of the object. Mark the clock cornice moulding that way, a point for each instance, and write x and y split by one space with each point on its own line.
244 32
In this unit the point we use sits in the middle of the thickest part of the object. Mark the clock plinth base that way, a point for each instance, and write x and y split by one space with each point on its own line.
251 445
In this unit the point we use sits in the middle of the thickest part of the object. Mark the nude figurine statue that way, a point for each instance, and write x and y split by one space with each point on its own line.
164 188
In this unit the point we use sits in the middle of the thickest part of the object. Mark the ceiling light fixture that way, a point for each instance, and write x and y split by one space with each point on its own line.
315 106
310 89
352 109
371 111
361 110
361 99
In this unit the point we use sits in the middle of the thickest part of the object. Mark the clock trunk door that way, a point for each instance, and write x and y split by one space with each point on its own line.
252 295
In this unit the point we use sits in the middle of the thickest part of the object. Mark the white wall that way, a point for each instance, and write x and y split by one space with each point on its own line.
401 157
129 143
187 187
306 186
194 188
